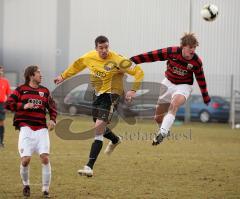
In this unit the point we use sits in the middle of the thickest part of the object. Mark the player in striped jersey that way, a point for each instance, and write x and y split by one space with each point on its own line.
30 102
182 63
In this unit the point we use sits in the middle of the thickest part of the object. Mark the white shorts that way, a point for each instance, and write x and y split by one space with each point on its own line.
170 90
31 141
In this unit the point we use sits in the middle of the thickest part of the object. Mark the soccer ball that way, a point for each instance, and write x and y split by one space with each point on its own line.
209 12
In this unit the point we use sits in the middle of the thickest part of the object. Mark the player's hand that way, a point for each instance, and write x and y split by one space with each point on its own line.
207 100
130 95
28 106
59 79
51 124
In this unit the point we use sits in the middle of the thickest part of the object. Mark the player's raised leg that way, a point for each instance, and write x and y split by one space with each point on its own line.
169 118
114 141
161 110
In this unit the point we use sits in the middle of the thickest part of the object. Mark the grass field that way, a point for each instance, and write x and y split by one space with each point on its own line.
197 161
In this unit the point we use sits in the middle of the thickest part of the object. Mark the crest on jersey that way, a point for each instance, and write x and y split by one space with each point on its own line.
110 65
189 66
41 93
107 68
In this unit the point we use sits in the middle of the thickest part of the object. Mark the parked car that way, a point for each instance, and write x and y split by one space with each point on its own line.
217 110
78 102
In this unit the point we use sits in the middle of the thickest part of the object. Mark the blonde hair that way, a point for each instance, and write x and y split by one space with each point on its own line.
189 39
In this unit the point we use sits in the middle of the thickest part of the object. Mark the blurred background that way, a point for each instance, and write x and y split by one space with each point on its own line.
53 33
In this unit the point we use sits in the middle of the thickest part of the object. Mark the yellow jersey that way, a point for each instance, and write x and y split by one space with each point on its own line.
106 75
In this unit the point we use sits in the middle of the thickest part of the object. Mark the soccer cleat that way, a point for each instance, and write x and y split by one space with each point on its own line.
159 138
110 147
46 194
26 191
86 171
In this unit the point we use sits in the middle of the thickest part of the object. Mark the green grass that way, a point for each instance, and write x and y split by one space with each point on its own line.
198 161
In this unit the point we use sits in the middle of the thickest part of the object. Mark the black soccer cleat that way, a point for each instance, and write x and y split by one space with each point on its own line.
158 139
26 191
46 194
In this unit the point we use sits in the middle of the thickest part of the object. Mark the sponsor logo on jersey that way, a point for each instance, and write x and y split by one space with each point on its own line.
99 74
35 101
179 71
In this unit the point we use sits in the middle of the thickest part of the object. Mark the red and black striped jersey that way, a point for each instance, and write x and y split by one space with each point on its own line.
179 70
34 118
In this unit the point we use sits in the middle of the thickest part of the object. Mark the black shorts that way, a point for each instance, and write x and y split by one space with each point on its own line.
2 111
104 106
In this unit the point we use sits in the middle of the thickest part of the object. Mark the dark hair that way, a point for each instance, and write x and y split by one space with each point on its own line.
101 39
29 71
189 39
1 67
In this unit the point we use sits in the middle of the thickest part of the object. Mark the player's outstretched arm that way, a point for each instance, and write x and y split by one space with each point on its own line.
152 56
199 74
138 74
72 70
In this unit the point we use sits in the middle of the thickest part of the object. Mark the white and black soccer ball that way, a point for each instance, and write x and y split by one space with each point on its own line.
209 12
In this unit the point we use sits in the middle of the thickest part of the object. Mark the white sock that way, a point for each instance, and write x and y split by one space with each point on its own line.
24 173
166 124
46 176
99 137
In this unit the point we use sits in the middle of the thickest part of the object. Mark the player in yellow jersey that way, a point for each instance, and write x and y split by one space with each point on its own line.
107 70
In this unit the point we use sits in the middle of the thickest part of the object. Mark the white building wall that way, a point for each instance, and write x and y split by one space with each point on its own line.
34 33
132 26
29 31
219 44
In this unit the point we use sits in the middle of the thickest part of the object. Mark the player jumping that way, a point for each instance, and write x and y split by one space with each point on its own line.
182 63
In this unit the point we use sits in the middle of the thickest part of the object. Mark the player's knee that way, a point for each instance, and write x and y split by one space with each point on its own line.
25 161
173 108
25 164
44 159
100 127
158 118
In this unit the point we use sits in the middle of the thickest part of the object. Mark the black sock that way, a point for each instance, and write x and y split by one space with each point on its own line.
95 150
111 136
1 134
